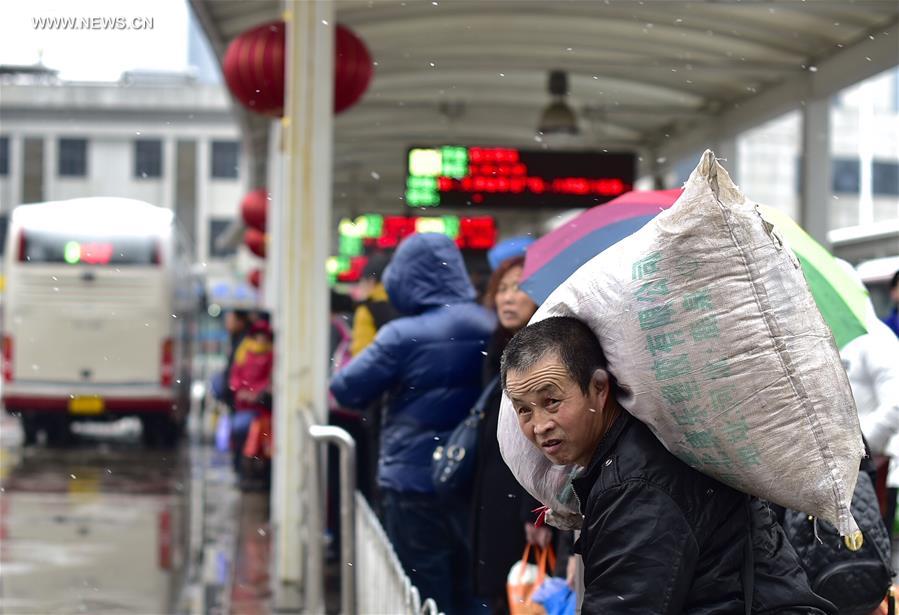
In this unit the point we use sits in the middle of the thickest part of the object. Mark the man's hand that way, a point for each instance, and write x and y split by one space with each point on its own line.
539 536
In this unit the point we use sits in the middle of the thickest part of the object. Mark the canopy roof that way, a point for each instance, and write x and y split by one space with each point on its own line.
662 77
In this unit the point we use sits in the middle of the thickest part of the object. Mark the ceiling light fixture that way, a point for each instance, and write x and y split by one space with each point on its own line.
558 117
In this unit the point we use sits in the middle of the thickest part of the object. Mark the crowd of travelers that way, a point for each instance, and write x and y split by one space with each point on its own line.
417 350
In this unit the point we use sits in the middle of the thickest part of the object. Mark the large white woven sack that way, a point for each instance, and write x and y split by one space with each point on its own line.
710 329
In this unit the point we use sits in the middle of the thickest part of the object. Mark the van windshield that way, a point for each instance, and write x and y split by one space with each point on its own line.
74 249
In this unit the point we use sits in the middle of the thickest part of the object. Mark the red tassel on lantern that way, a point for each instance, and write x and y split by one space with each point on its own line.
254 209
255 278
255 240
253 67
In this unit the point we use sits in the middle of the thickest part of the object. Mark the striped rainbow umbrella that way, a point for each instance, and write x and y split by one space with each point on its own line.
841 300
554 257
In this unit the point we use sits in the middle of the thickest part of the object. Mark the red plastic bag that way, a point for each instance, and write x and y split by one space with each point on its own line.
259 439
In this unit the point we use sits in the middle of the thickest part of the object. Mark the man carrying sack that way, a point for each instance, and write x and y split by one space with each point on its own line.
657 536
674 378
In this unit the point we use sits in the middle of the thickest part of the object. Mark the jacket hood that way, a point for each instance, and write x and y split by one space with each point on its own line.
426 271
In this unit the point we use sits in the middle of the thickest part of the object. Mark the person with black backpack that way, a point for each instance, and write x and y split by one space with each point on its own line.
429 364
853 572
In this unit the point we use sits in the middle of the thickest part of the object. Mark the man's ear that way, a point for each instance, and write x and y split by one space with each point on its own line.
600 385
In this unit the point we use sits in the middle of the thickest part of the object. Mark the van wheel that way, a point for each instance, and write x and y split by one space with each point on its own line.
30 428
59 431
159 431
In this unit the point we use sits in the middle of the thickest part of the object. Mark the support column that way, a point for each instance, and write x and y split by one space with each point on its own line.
16 171
650 171
51 167
202 191
726 150
302 302
816 197
168 172
274 184
867 137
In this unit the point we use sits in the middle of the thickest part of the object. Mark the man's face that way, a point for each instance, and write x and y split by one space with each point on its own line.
554 414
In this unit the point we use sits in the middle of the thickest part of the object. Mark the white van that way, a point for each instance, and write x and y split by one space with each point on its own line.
99 310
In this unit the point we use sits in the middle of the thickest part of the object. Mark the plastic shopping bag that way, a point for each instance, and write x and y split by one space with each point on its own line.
556 597
223 432
259 439
525 578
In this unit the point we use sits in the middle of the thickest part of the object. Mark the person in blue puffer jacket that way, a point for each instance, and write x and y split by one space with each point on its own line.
429 362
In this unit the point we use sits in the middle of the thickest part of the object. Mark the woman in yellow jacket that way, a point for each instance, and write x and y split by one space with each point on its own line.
374 310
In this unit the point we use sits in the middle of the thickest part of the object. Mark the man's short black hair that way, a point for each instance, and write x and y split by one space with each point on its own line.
569 338
895 280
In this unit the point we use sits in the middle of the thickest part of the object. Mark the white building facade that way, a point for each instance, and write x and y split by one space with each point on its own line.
160 138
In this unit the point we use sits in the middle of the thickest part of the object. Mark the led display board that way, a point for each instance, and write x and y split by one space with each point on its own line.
385 232
377 232
503 177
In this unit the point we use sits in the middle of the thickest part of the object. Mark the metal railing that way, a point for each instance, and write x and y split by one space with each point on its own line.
347 465
372 578
386 589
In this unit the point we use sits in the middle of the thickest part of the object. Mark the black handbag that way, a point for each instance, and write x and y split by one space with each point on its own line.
854 577
452 467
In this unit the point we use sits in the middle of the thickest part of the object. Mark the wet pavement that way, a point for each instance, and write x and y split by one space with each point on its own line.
110 526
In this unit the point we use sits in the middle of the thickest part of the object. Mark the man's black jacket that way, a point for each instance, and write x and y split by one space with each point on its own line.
659 537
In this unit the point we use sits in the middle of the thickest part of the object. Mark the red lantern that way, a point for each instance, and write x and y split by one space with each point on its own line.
255 240
254 209
352 68
253 67
255 278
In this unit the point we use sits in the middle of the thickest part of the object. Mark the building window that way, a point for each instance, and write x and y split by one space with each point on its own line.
33 169
220 249
72 157
885 178
225 159
845 175
147 158
4 155
4 223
